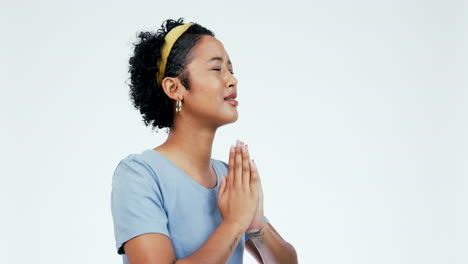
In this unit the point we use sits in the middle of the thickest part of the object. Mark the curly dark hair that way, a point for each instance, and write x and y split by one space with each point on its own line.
150 99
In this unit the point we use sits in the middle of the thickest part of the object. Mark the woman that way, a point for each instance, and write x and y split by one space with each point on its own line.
174 203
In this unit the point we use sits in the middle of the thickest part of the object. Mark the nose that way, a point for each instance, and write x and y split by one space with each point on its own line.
232 81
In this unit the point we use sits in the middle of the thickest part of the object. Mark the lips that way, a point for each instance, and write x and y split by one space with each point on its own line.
230 99
231 96
232 102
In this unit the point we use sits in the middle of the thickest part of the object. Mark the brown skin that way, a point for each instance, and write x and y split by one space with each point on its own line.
203 110
189 146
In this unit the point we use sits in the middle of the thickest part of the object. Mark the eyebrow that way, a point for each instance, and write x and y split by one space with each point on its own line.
218 58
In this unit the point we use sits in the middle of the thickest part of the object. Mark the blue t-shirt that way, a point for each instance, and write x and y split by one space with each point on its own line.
150 194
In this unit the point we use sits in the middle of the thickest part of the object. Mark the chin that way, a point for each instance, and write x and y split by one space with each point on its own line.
235 117
232 119
228 119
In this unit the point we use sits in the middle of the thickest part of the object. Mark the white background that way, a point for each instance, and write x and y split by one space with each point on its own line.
355 112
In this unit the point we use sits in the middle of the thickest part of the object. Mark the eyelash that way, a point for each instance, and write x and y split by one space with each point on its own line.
220 69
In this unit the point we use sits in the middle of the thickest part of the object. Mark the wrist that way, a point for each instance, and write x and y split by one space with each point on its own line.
257 234
257 227
234 226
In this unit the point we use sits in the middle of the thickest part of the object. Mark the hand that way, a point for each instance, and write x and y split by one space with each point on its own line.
238 193
258 221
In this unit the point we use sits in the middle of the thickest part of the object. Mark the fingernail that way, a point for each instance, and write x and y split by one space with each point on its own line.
237 143
246 147
255 165
231 149
243 148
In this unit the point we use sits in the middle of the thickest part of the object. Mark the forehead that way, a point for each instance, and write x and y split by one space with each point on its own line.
208 47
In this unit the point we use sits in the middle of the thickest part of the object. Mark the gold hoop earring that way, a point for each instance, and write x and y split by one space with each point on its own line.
178 106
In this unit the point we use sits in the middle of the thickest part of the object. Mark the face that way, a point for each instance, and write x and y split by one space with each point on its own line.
211 80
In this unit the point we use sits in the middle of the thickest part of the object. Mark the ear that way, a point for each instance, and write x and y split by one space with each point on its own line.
173 88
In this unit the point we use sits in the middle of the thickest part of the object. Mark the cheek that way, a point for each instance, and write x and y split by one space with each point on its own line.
208 90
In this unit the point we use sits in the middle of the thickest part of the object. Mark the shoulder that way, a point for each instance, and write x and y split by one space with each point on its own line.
133 167
133 182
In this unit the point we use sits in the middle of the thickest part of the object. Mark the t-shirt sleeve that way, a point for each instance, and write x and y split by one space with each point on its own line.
136 202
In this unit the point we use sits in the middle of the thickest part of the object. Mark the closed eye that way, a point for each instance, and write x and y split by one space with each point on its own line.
220 70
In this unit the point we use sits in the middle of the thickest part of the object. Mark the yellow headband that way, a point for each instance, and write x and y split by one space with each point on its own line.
169 41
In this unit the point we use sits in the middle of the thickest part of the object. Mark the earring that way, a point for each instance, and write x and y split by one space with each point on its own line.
178 106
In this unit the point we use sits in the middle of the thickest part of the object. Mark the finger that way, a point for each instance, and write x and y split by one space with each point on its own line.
245 166
257 176
255 171
254 177
231 165
238 164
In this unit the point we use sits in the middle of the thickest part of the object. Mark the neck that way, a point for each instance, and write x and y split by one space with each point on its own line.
189 146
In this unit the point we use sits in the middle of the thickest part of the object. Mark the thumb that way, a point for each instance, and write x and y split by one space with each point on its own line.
222 186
